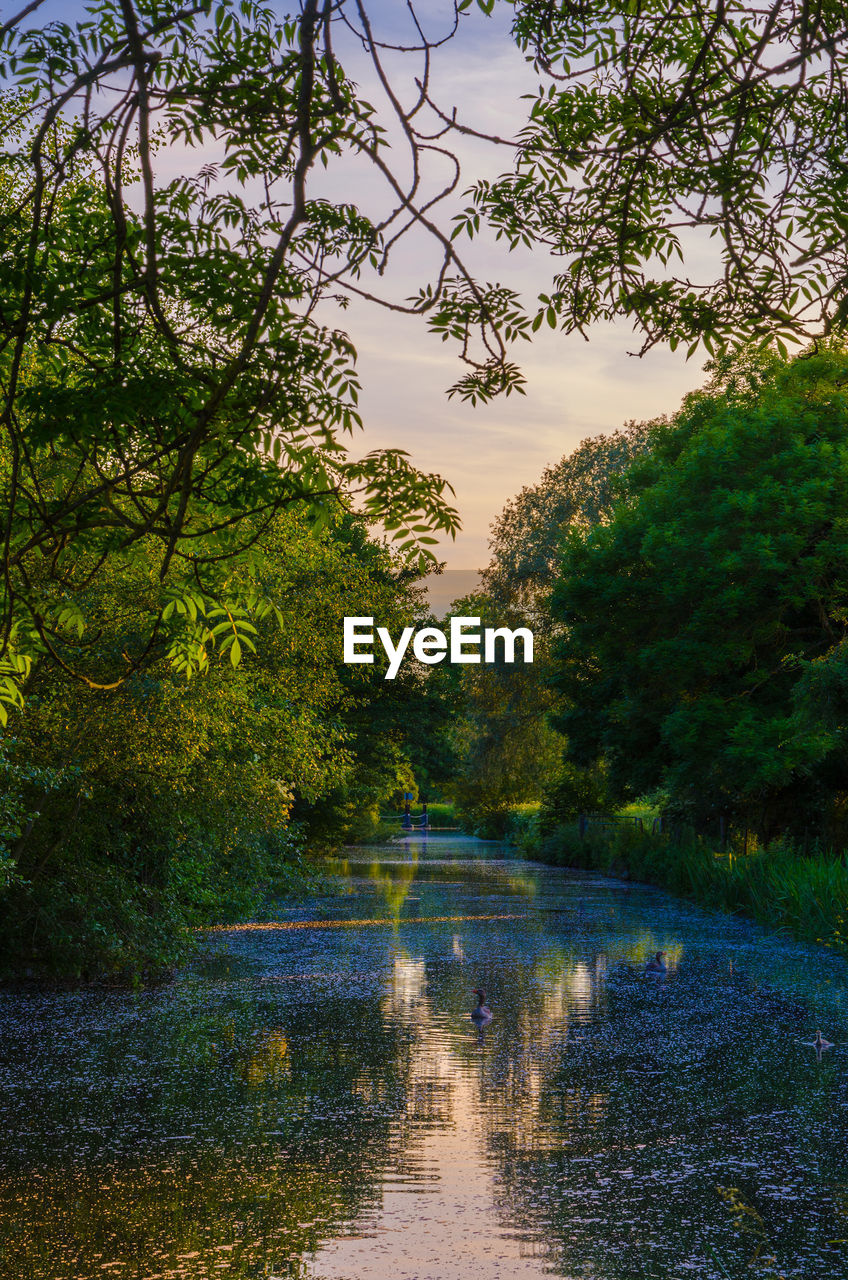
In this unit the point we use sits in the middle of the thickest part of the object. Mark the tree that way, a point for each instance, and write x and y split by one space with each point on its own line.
578 491
503 747
696 621
135 811
166 380
661 128
509 753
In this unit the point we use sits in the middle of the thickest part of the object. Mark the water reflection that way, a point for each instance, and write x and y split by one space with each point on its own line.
318 1105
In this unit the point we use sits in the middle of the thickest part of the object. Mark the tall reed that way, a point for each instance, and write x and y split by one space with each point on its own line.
776 886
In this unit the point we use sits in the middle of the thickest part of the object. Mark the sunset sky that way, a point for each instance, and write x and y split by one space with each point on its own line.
574 388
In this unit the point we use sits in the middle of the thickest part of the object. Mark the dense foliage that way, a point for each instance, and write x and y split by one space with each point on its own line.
132 812
503 746
176 403
168 383
704 624
508 750
578 491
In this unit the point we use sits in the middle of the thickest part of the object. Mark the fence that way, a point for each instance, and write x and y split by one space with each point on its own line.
411 822
611 822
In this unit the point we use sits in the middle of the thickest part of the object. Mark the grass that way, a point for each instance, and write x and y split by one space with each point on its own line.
776 886
442 814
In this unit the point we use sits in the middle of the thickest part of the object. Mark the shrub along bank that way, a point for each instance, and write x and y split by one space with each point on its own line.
130 816
776 886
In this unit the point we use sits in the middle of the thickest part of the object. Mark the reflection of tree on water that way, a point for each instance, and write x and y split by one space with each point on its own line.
238 1126
504 1091
394 883
391 876
465 1095
247 1153
648 1122
613 1146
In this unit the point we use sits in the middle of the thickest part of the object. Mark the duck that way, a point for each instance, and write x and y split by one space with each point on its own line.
656 964
819 1044
482 1013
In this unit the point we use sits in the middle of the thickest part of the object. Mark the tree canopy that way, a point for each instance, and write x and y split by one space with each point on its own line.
578 491
507 750
664 129
167 381
165 371
704 622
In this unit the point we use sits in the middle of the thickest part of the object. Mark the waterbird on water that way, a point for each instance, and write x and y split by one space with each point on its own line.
482 1013
819 1043
656 964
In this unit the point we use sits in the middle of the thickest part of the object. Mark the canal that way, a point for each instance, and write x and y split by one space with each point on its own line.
311 1099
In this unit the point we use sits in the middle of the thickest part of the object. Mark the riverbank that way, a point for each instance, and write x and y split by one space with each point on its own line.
778 887
111 933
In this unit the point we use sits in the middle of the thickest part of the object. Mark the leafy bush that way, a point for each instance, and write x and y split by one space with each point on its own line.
91 921
130 815
516 823
523 827
442 814
574 791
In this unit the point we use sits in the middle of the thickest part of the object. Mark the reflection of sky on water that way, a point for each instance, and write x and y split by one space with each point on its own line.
408 985
315 1103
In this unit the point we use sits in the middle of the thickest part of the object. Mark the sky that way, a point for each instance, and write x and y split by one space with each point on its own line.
574 388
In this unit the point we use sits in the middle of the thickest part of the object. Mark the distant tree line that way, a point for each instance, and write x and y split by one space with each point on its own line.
698 611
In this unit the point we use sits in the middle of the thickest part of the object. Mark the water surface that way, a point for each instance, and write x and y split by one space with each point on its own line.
315 1102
